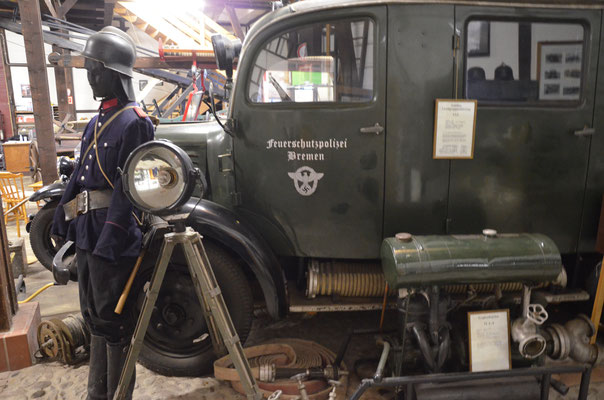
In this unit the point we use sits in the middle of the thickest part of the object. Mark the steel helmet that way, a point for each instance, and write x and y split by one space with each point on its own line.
113 48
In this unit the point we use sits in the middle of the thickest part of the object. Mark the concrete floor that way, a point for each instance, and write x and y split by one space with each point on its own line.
53 380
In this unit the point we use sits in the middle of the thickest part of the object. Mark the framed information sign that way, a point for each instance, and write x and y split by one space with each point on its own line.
489 337
454 127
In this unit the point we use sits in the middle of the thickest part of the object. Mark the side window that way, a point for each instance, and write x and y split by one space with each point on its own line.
322 62
524 61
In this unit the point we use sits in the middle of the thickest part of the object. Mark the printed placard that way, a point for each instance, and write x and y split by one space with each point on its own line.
489 337
454 126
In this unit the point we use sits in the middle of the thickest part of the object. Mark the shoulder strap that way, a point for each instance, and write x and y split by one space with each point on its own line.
98 134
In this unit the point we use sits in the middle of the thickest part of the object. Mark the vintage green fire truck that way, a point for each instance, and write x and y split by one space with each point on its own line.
330 147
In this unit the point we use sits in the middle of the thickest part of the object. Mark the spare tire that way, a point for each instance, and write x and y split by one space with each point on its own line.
43 246
173 343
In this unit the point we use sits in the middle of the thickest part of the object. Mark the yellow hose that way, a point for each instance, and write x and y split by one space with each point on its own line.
37 292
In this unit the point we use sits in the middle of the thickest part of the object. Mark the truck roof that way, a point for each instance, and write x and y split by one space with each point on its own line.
316 5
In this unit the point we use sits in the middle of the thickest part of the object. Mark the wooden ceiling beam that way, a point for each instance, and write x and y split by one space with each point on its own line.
247 4
217 28
204 60
109 7
66 6
51 8
235 22
142 26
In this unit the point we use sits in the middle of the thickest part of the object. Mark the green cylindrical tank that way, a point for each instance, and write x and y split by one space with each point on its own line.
417 261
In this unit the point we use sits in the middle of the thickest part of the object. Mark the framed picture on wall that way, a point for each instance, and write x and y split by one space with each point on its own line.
479 39
559 70
25 90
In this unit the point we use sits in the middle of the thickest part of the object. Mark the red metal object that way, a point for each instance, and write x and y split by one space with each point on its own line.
184 116
160 50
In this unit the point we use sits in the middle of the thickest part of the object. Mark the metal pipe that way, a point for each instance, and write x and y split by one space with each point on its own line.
424 345
584 387
443 349
585 369
434 325
525 388
526 300
346 342
383 358
545 382
580 330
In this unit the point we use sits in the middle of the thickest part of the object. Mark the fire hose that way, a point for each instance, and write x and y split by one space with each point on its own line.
274 364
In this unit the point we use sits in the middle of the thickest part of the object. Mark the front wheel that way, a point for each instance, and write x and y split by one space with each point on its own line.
43 246
174 343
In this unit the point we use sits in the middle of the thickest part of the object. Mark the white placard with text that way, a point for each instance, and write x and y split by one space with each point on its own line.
454 126
489 337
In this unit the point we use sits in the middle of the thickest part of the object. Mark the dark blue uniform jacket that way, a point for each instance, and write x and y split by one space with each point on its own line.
111 232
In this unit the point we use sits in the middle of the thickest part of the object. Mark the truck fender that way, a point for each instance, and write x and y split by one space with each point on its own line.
49 191
222 225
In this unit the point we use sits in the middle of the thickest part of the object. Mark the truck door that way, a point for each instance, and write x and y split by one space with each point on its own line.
309 147
420 69
533 72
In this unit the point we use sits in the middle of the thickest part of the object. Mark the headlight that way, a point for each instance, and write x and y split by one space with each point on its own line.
159 177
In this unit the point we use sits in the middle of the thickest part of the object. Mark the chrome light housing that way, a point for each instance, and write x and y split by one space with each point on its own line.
158 178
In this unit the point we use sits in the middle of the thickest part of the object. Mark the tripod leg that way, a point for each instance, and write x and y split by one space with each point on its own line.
208 291
143 320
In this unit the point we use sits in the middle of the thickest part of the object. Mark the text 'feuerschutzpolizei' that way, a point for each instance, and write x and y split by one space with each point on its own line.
301 149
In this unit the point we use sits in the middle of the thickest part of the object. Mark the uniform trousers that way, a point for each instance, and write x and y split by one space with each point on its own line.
100 285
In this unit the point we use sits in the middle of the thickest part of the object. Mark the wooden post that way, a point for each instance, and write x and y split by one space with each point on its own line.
71 107
36 66
61 84
109 6
64 81
6 92
8 298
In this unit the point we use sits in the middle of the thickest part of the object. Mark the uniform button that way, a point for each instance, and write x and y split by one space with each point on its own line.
102 114
94 146
87 168
82 178
90 156
105 144
99 124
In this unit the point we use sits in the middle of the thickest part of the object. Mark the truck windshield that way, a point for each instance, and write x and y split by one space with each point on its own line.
323 62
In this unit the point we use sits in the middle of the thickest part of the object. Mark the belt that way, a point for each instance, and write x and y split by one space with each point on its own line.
86 201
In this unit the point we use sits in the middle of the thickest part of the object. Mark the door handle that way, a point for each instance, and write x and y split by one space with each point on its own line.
377 129
585 132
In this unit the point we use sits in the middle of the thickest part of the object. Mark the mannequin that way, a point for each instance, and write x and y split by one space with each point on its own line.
95 213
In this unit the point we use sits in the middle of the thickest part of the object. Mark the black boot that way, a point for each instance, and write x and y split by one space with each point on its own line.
116 358
97 373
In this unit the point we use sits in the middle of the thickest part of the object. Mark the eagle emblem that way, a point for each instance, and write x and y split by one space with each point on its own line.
305 180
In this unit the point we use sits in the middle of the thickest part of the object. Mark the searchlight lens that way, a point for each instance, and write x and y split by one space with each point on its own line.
159 177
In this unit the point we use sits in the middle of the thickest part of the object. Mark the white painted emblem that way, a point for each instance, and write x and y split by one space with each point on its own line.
305 180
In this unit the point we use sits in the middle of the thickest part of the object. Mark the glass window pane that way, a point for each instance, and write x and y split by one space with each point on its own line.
523 61
323 62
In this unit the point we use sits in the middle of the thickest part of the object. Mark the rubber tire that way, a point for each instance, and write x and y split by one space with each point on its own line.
39 234
238 296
